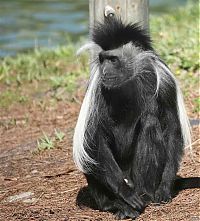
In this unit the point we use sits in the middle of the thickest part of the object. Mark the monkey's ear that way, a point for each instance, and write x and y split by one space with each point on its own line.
89 47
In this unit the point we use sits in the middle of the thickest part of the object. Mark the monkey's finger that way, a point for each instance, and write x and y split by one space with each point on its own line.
136 203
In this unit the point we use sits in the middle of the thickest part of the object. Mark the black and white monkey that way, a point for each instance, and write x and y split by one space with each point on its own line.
132 126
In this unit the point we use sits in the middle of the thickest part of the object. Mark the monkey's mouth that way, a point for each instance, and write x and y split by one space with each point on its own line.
110 78
110 82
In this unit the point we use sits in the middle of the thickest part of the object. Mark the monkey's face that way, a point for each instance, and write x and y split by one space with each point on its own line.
116 66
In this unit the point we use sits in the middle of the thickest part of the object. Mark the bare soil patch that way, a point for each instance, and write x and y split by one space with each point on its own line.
51 177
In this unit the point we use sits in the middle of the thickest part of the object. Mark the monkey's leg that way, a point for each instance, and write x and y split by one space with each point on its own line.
101 195
174 151
109 174
150 156
163 193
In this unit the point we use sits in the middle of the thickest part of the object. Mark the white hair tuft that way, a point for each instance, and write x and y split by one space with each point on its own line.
81 157
163 75
183 118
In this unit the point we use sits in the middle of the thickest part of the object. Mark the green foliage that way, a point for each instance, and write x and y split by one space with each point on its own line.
41 71
38 66
58 71
176 37
45 143
197 104
59 135
50 142
9 96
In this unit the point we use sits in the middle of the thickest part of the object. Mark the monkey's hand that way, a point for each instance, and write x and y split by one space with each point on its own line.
128 194
126 213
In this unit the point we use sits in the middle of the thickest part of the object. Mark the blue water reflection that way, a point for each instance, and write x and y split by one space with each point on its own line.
25 24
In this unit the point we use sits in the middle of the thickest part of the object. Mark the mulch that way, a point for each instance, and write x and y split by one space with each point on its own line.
52 177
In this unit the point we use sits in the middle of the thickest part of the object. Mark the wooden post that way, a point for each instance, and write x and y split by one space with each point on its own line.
129 10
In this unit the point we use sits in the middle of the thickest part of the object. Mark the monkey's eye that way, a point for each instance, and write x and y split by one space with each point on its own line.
104 56
113 59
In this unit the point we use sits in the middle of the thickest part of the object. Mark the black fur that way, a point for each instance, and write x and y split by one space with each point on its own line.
133 134
113 34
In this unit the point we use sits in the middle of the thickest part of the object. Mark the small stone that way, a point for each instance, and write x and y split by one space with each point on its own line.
21 196
34 171
28 176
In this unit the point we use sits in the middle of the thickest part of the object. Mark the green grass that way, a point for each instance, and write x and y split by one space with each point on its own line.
49 142
59 135
197 104
176 37
45 143
9 96
28 76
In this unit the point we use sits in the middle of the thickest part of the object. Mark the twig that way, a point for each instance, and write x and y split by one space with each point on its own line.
71 190
192 143
40 196
59 174
76 100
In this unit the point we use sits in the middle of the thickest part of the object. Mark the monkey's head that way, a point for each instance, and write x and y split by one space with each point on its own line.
120 46
117 65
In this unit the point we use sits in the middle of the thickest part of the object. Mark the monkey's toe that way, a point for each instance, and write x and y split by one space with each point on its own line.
162 197
126 214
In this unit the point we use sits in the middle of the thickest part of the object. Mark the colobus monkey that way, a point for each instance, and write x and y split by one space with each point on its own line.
132 126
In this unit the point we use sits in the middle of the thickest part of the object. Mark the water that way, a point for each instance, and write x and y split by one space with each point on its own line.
26 24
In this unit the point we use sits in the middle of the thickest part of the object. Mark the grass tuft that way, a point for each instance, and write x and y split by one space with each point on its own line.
31 76
176 37
50 142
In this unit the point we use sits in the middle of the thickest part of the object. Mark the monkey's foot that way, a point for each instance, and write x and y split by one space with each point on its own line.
162 196
126 214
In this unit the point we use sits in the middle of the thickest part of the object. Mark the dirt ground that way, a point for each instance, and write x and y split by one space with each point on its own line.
51 179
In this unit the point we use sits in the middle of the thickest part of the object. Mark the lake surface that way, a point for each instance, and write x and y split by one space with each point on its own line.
26 24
